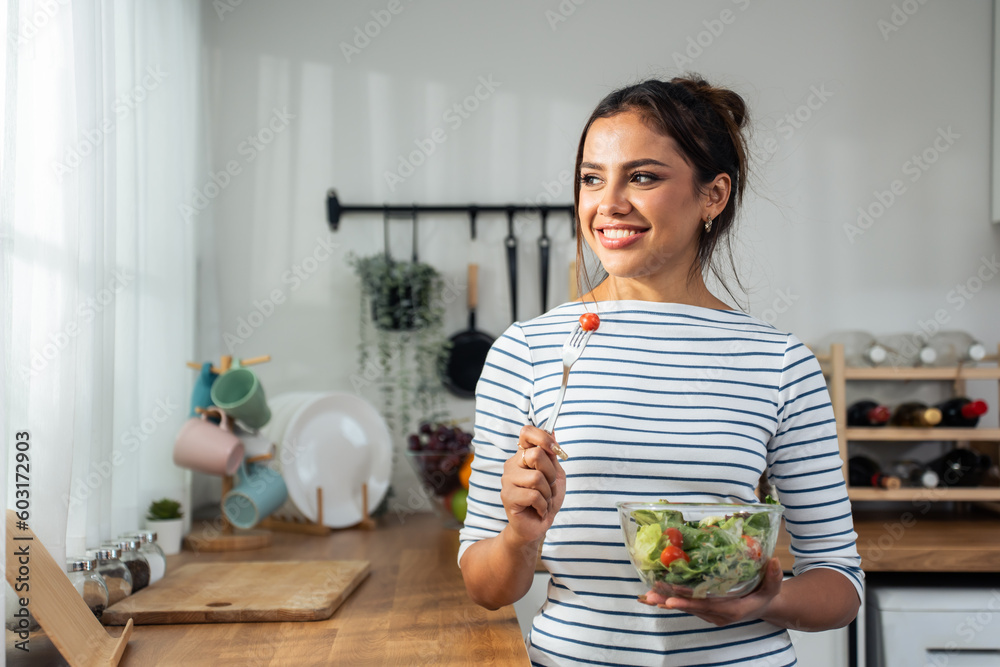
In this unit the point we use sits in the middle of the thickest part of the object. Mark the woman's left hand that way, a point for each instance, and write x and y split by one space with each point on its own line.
726 611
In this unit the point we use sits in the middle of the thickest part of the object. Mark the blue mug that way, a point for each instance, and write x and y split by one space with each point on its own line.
257 493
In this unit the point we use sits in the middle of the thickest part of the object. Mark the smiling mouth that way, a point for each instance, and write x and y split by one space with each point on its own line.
619 237
617 233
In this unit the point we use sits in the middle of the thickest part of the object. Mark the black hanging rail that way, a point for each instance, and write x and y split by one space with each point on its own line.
334 209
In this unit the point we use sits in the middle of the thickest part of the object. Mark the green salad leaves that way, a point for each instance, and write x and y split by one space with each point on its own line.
709 557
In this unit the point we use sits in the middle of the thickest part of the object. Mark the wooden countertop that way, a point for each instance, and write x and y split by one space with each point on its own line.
909 541
412 609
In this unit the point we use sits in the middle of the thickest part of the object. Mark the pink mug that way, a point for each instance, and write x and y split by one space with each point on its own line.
207 447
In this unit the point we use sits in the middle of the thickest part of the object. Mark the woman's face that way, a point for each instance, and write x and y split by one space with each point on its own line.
640 210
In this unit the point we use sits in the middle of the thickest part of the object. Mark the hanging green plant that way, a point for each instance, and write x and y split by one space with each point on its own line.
403 346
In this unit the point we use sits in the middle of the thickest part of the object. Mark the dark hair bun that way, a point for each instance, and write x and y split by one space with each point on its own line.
726 103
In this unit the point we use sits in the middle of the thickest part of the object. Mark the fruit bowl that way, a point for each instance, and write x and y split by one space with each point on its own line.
439 473
441 456
700 550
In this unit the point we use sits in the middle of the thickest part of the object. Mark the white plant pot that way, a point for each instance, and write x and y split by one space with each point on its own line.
169 534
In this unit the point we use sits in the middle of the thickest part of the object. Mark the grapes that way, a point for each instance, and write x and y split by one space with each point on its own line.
439 452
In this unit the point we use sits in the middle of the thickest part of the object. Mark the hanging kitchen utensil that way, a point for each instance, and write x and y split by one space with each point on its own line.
414 214
511 243
469 348
385 233
543 253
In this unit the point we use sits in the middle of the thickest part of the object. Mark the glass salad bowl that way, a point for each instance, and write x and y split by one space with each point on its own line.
700 550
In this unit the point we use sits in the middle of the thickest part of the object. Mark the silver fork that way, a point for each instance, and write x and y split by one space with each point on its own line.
571 351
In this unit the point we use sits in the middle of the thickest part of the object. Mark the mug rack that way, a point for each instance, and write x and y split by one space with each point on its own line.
334 211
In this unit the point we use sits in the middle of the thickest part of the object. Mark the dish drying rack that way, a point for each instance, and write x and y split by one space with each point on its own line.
229 538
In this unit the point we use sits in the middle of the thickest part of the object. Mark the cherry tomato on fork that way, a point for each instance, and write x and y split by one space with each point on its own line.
590 321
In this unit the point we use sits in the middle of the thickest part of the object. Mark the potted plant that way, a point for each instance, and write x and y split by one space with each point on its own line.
166 519
403 345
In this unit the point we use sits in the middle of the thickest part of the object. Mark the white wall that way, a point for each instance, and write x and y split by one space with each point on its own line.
889 95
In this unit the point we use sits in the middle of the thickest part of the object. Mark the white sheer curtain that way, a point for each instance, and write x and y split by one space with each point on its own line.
100 135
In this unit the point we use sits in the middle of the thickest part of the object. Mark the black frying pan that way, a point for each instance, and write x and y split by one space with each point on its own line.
469 348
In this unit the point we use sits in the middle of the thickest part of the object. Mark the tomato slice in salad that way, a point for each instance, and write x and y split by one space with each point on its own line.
674 537
672 553
753 547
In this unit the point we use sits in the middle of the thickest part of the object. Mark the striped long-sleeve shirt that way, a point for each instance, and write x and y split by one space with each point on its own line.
671 402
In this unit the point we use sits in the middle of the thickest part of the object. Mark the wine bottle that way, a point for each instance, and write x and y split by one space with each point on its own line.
961 467
916 474
867 413
956 347
906 350
961 411
916 414
860 348
863 471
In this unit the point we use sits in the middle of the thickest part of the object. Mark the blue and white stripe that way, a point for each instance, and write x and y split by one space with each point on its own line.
667 402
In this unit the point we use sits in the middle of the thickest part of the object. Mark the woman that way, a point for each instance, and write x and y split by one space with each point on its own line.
677 396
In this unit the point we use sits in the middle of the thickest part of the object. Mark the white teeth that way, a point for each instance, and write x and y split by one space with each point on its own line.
618 233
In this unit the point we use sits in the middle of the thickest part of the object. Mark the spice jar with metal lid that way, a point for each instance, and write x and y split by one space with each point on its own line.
89 583
117 576
138 566
152 551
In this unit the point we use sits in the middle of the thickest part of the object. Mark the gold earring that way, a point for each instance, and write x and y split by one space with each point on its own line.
708 224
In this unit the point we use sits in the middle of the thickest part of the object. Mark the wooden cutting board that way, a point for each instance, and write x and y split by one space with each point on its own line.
242 592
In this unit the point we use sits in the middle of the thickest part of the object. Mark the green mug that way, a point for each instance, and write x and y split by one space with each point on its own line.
241 395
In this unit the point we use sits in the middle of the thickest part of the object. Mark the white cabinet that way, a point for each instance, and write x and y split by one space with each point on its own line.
913 626
528 606
821 649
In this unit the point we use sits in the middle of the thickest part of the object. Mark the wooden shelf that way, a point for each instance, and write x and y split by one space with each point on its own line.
888 373
838 374
920 540
922 434
970 494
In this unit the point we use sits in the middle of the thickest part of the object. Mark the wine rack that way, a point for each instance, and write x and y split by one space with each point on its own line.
838 374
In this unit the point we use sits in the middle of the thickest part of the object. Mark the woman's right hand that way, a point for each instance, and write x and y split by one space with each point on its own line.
533 485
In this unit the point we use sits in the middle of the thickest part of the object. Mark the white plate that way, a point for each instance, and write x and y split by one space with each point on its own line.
283 408
336 441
